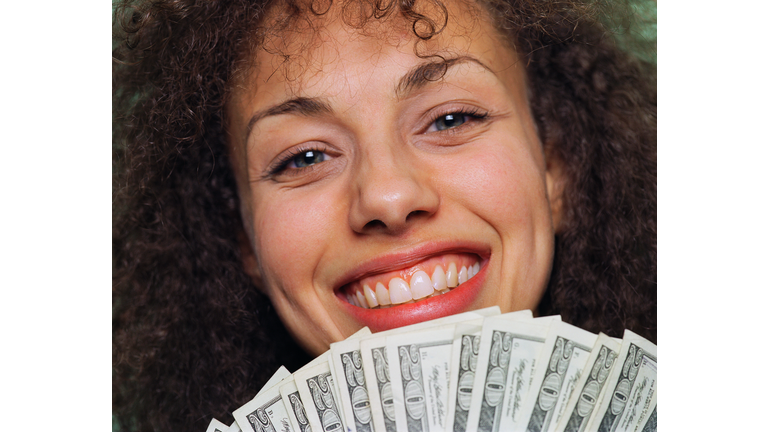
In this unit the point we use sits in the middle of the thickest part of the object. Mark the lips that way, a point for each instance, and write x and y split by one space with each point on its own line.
403 289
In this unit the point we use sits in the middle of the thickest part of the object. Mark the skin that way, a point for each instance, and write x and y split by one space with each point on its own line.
393 191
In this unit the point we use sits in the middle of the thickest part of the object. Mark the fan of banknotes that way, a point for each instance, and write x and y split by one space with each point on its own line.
475 371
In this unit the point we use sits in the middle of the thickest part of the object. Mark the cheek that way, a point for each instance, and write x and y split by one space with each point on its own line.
291 234
500 182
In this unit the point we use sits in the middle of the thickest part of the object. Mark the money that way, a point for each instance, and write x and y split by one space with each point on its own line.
317 391
292 400
348 374
216 426
376 368
281 374
466 346
590 386
629 389
476 371
563 358
647 420
507 360
419 371
294 406
265 412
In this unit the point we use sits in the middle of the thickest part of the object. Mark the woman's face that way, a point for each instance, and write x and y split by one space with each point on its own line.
366 179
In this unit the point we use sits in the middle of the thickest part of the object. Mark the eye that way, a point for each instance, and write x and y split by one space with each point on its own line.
449 121
453 120
306 158
295 161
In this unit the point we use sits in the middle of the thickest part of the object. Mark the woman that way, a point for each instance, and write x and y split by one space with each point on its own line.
289 172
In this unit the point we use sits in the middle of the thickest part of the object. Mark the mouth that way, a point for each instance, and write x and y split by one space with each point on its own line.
433 277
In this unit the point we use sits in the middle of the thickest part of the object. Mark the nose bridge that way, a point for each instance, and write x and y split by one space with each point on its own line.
391 190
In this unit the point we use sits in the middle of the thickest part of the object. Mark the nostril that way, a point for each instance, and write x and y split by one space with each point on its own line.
415 215
374 224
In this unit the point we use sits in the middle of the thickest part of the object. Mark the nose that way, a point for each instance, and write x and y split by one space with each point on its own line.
391 193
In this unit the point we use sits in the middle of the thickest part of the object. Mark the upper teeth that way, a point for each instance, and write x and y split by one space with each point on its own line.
421 286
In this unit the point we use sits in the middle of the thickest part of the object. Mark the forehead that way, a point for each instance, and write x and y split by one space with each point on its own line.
320 55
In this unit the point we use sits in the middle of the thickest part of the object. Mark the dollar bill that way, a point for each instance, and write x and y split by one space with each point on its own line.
562 361
347 370
507 360
590 386
419 372
647 422
650 425
629 389
376 368
265 412
234 427
294 406
279 375
318 392
216 426
466 345
292 400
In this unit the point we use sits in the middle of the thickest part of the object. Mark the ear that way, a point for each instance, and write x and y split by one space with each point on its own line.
250 263
555 179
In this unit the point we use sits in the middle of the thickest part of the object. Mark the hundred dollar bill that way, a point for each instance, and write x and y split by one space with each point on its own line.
590 386
630 387
466 345
347 371
562 361
318 393
266 412
650 424
647 421
376 369
507 360
420 370
216 426
297 415
294 406
281 374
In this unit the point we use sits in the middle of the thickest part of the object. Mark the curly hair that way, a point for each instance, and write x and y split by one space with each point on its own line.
193 336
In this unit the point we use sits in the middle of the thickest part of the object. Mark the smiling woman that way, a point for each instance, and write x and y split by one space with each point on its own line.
311 168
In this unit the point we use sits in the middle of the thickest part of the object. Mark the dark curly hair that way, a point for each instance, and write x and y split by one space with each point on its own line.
193 338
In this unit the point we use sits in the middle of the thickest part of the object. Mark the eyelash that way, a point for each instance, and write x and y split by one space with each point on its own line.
281 164
472 113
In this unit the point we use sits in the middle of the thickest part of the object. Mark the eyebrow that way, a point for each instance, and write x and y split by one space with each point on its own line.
298 106
427 73
417 78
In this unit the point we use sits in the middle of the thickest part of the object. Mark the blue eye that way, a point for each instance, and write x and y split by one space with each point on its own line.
306 158
449 121
455 119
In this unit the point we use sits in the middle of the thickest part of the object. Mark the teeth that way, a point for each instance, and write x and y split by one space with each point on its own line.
361 300
438 279
370 296
421 285
452 276
399 291
382 294
463 275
